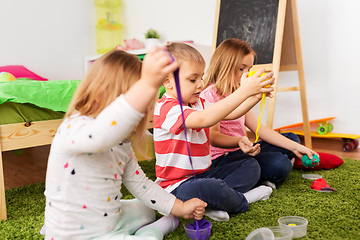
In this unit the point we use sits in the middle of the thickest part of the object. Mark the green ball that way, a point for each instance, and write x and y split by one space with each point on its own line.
307 162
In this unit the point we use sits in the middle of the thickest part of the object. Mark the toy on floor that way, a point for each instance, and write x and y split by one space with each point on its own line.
307 162
321 185
324 130
350 144
326 161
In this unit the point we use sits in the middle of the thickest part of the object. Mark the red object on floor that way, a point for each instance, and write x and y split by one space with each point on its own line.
320 184
327 161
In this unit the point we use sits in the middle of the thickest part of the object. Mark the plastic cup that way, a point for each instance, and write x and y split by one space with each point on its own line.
261 234
281 232
204 233
297 224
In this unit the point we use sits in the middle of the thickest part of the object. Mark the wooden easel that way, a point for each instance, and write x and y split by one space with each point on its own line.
287 56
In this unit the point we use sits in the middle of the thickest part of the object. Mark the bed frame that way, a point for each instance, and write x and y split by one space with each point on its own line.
19 136
31 134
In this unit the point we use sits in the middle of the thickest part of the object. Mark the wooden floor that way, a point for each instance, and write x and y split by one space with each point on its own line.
30 167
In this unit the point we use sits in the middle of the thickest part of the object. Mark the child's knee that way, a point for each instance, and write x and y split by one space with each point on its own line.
254 165
283 167
148 215
292 136
215 190
137 210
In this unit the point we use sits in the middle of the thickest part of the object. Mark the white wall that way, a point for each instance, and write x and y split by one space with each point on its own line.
330 44
52 38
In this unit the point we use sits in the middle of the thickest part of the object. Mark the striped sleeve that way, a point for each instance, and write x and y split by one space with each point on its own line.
172 160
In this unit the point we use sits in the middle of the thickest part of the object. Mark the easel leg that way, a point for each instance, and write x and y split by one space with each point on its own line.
301 74
276 59
291 57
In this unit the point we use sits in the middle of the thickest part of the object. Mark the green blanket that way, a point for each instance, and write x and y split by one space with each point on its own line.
55 95
11 112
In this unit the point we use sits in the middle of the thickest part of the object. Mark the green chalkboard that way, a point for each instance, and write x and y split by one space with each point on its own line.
251 20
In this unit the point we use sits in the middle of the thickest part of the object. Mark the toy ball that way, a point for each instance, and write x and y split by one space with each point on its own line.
307 162
251 73
6 77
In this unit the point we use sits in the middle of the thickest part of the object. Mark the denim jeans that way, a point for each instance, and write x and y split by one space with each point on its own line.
275 161
234 173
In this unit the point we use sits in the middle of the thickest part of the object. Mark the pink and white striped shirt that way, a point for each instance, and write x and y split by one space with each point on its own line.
228 127
172 160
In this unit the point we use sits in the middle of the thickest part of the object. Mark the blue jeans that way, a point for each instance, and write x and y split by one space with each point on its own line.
234 173
223 185
275 161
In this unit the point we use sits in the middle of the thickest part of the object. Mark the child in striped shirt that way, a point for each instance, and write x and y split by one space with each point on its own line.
223 188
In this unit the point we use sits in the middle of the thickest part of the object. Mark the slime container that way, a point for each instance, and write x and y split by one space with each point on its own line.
204 230
261 234
282 232
297 224
311 176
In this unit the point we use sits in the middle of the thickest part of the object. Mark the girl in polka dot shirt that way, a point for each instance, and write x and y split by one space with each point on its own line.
91 156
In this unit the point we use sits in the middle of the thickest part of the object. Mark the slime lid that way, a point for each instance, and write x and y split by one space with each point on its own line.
261 234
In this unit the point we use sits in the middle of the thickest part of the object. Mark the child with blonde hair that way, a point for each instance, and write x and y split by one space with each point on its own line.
275 153
91 156
220 187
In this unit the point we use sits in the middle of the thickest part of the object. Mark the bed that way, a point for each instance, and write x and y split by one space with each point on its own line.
30 113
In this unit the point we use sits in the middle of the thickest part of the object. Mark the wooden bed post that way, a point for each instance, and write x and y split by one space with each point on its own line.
19 136
3 213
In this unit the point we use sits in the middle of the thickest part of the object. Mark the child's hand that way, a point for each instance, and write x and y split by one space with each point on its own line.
157 64
301 150
257 84
247 146
194 208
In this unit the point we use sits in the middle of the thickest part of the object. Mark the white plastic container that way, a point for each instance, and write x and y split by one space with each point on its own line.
297 224
311 176
261 234
281 232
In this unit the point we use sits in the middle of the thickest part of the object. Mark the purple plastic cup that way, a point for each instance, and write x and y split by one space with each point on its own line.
203 233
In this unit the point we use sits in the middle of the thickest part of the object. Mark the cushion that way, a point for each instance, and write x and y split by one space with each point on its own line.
20 71
327 161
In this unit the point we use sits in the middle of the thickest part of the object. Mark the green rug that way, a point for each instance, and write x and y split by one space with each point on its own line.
334 215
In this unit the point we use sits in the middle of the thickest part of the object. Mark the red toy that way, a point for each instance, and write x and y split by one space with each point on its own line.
321 185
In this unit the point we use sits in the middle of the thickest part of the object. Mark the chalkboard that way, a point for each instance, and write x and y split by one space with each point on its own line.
251 20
